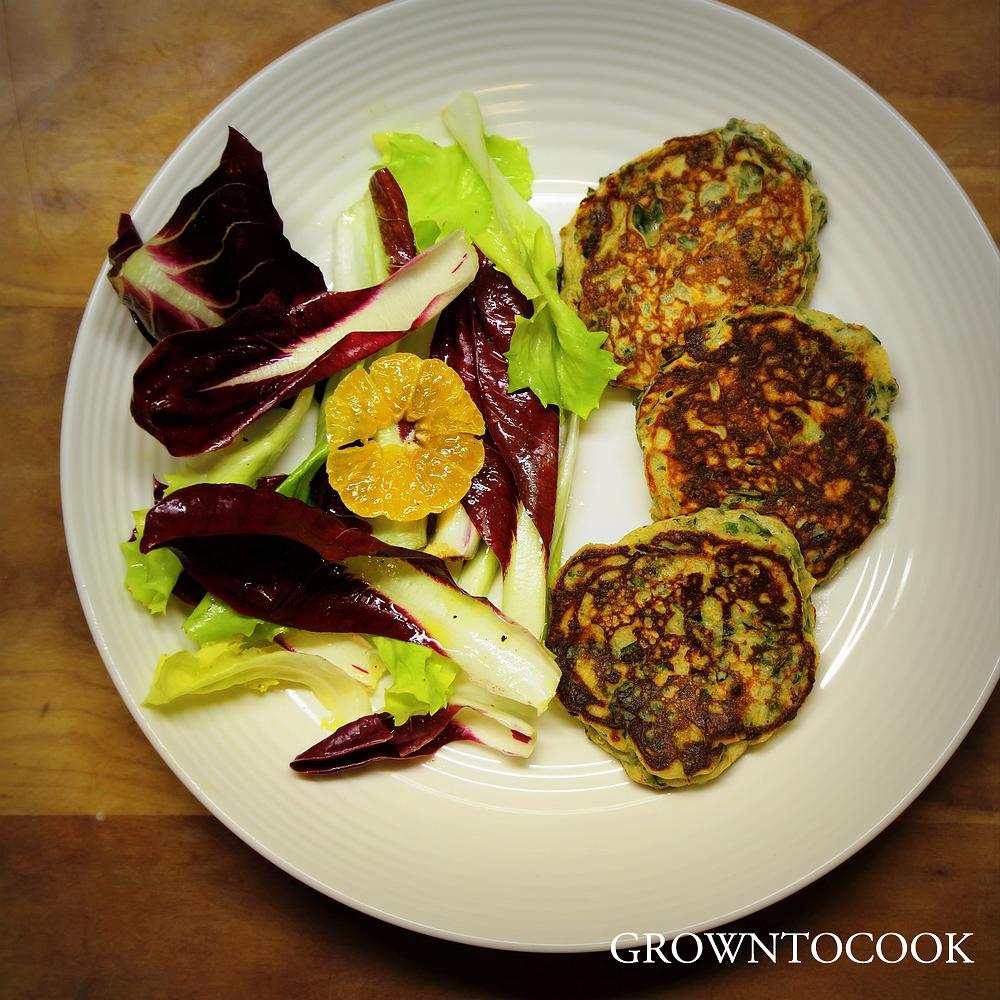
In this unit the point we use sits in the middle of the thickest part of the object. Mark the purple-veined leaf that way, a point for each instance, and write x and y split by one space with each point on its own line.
376 737
491 504
233 509
472 336
270 556
222 250
275 558
393 221
197 389
454 340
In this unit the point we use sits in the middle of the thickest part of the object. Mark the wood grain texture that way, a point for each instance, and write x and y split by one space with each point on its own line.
937 62
155 898
176 907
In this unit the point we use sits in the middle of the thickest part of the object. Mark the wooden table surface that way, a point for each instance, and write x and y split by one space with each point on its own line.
114 881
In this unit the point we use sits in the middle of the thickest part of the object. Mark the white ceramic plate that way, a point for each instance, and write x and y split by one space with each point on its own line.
562 852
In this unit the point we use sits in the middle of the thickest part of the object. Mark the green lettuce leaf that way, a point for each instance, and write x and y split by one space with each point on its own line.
443 191
215 621
296 484
553 353
555 356
421 679
251 455
482 185
149 577
219 666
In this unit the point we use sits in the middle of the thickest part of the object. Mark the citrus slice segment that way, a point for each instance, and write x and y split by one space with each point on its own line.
403 438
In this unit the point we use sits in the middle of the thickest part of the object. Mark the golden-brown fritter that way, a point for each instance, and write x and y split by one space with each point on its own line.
702 226
785 411
685 643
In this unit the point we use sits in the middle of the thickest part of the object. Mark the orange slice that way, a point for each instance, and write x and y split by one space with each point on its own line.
403 438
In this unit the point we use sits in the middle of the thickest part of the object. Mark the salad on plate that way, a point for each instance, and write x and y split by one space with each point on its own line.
438 385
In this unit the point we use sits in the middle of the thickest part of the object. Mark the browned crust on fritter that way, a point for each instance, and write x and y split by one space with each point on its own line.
635 699
728 422
736 251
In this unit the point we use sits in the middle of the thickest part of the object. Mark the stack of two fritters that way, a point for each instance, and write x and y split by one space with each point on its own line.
768 453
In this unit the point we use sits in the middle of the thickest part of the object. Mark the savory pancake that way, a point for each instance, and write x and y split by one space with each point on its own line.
685 643
702 226
785 411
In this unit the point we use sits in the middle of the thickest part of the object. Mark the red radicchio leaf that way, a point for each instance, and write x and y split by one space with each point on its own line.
197 389
223 249
376 737
472 336
324 496
491 504
454 341
233 509
393 220
175 393
273 557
